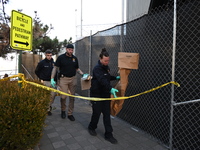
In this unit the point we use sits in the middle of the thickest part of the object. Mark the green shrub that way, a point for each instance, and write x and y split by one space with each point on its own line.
22 115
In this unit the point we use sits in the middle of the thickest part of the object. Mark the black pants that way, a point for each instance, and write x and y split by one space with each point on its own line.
99 107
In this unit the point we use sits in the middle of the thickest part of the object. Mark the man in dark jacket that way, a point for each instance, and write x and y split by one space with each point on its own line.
43 71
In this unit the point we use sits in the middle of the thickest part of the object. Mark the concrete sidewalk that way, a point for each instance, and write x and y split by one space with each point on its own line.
63 134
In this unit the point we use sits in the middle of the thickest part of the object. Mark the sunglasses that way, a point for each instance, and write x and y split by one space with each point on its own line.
48 55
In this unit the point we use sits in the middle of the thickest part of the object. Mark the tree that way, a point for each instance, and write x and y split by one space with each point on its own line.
41 40
4 31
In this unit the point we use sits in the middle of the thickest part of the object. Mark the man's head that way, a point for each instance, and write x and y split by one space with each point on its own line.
69 49
6 75
48 54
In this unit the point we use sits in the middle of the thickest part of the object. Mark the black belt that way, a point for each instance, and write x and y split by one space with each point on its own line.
62 76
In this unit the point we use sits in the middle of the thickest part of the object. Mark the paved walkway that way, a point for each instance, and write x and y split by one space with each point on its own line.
63 134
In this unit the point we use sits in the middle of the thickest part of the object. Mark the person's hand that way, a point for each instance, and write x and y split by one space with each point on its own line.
85 76
53 83
117 77
113 92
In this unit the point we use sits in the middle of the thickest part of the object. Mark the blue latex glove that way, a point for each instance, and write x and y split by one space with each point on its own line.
85 76
113 92
53 83
117 77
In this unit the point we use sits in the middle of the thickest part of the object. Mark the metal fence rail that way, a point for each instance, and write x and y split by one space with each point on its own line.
167 39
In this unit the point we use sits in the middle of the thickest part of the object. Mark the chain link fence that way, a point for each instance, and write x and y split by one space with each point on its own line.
167 39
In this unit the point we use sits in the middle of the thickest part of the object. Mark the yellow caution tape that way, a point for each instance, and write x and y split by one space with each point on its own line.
23 81
8 78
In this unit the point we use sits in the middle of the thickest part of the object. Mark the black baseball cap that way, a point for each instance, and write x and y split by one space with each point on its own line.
70 46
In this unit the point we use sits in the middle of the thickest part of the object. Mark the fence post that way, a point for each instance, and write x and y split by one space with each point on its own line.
121 37
90 52
173 78
90 57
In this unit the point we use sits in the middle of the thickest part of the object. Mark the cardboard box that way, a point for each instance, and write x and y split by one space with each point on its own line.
128 60
85 84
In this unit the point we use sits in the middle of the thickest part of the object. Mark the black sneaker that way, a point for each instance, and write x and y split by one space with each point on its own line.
63 114
92 132
49 113
71 118
111 140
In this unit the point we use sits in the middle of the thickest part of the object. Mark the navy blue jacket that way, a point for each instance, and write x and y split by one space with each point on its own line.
44 69
100 83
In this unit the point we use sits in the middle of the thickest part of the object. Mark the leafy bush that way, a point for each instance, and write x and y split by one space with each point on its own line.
22 115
